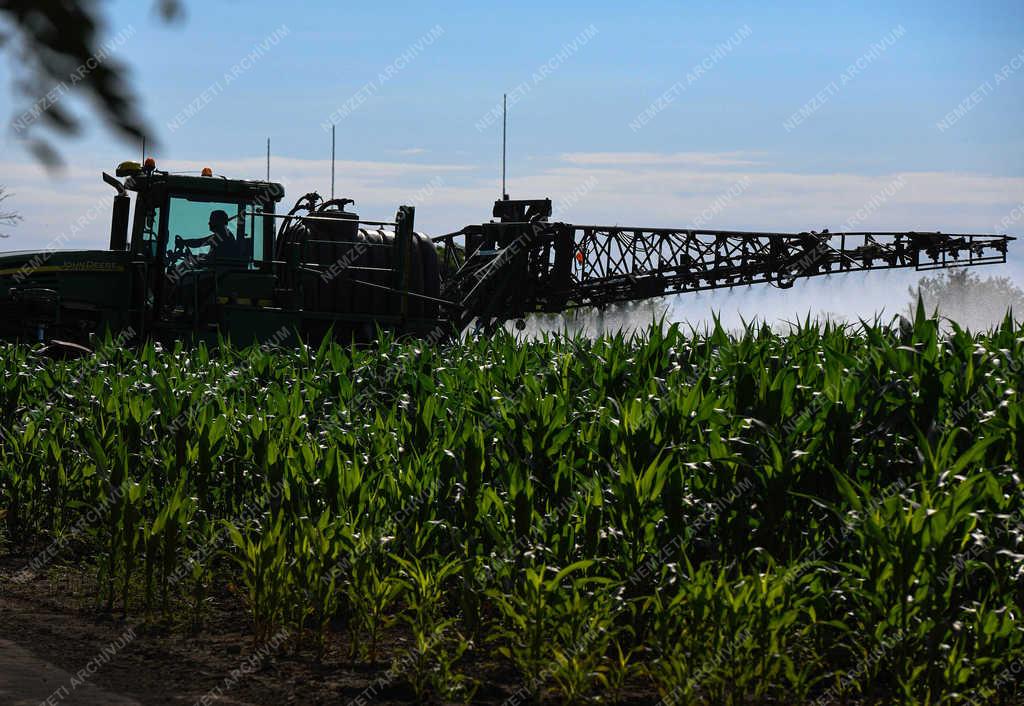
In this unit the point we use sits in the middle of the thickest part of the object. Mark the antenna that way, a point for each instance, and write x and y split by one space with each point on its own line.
504 142
268 159
143 160
332 161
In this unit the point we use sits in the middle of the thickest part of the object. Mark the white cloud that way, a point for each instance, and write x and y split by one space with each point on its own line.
717 159
621 188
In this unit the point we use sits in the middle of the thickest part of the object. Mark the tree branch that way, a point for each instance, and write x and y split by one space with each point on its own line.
7 218
57 49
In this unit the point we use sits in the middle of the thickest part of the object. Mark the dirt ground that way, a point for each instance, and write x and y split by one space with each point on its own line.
26 680
55 644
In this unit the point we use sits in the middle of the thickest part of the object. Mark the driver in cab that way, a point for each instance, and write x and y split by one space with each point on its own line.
220 240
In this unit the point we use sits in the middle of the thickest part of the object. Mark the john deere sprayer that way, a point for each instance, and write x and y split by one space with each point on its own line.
201 257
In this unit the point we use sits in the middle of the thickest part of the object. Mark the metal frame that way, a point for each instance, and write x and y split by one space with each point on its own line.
618 264
527 272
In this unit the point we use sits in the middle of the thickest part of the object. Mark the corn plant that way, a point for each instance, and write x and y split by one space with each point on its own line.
831 512
263 562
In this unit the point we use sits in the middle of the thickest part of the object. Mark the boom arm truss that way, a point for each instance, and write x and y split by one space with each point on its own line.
622 264
525 264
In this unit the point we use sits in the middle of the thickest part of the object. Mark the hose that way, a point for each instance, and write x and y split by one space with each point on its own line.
339 203
307 203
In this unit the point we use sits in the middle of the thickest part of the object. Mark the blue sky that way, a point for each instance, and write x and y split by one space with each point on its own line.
414 136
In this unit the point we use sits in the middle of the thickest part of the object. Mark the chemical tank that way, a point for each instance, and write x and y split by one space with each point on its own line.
348 266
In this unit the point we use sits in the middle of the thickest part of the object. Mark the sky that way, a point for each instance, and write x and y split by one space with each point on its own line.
783 116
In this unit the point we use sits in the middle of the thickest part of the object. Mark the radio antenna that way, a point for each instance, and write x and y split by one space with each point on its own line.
332 161
268 159
504 143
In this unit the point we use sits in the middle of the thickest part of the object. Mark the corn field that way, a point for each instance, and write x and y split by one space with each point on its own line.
829 516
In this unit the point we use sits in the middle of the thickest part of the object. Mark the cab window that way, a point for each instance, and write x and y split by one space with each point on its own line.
219 225
150 231
255 225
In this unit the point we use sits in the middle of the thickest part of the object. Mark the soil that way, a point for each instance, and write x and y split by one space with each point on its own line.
56 644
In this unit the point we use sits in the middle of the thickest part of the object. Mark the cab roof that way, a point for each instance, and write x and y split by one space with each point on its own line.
213 186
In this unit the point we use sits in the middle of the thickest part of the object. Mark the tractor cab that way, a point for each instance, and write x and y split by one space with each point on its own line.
175 215
202 240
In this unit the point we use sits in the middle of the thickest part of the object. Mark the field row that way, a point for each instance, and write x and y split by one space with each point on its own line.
827 515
